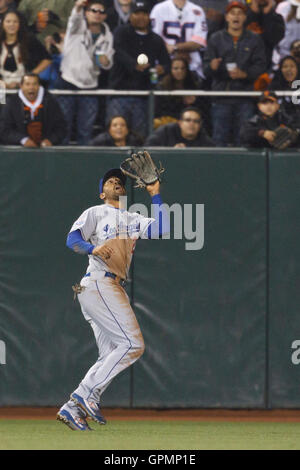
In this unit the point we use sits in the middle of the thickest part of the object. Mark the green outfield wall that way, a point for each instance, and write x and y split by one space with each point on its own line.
220 323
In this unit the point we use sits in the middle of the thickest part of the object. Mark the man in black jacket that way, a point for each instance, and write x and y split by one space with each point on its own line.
234 59
188 132
127 73
32 118
259 130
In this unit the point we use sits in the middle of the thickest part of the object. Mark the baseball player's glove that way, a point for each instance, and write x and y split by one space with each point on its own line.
141 168
284 137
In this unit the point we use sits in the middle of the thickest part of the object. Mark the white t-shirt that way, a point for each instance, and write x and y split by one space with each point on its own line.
116 228
175 25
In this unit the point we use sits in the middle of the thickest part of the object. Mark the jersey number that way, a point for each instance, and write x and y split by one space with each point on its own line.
175 25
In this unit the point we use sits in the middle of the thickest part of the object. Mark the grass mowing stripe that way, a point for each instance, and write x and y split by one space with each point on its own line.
149 435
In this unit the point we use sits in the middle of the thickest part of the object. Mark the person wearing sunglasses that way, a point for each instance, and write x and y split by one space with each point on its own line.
187 132
87 52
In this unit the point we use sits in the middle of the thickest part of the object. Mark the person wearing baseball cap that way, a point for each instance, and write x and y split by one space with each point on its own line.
140 5
268 96
107 235
236 4
259 131
235 22
114 172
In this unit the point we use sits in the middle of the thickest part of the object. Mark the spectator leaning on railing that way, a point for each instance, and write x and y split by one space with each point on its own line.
234 59
118 134
187 132
32 117
88 48
259 130
20 51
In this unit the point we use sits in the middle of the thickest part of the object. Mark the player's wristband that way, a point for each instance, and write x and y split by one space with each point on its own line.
161 224
156 199
76 243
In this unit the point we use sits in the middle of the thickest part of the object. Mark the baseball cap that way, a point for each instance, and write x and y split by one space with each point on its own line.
236 4
113 172
140 5
268 96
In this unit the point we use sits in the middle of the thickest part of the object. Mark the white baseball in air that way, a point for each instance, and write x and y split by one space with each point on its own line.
142 59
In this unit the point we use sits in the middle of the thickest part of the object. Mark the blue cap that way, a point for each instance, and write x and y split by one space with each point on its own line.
113 172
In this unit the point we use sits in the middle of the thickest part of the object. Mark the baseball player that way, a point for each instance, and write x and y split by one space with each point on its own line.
108 234
183 27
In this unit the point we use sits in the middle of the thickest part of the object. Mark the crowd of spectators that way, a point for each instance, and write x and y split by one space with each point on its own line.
77 47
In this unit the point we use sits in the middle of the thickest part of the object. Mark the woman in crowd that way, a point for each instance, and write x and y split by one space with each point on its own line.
20 51
118 134
168 108
283 80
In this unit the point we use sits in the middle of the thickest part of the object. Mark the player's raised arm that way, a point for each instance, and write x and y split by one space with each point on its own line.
153 189
161 224
141 168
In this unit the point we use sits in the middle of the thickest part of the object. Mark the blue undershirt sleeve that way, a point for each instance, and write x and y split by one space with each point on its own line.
161 224
76 243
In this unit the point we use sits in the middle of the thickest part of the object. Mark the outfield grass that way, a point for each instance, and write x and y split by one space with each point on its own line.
145 435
